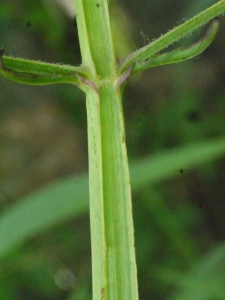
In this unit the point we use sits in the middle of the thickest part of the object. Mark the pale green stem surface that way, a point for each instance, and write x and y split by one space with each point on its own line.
112 234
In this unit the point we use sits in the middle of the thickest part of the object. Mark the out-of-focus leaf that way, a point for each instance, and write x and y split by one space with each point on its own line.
69 197
156 168
205 281
43 209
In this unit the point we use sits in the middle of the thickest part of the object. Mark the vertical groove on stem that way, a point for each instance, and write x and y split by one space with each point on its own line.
112 234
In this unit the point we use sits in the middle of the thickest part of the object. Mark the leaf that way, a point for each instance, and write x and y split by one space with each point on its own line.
44 208
205 281
162 166
39 73
180 54
68 198
173 35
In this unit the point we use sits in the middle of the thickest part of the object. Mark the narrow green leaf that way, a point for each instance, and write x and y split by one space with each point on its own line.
43 209
164 165
180 54
39 73
38 67
173 35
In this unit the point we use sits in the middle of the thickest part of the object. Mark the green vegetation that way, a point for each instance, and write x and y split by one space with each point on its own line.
102 78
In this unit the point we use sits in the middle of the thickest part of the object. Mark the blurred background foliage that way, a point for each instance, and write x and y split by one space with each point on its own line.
179 224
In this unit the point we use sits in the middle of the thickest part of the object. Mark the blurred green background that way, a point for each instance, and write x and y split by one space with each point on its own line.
43 138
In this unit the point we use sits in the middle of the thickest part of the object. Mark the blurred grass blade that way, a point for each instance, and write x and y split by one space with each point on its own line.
180 54
67 198
156 168
43 209
205 281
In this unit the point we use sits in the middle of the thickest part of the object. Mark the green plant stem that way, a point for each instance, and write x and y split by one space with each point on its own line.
113 255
